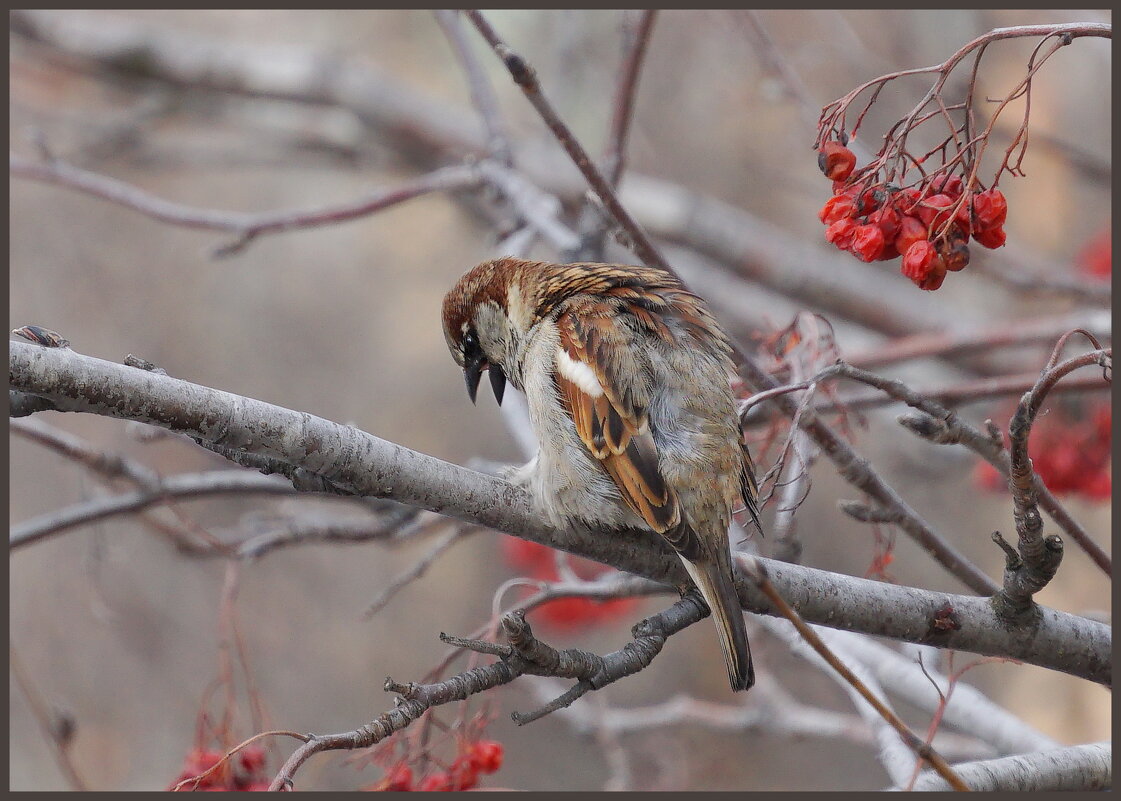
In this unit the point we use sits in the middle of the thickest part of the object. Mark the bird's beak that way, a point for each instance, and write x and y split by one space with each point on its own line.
472 373
497 382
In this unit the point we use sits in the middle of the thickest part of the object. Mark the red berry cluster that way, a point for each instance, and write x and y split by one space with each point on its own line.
929 225
483 756
1071 456
539 562
245 771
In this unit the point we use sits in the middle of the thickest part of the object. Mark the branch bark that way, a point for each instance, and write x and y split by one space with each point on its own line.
374 467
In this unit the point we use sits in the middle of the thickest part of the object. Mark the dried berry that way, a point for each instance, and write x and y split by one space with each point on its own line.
888 219
947 185
911 230
953 250
841 232
868 242
931 210
836 161
990 209
991 237
922 264
836 208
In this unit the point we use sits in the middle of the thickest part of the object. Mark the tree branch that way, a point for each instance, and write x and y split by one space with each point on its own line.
374 467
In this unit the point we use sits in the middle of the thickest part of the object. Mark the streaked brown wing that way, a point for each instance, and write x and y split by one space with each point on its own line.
609 410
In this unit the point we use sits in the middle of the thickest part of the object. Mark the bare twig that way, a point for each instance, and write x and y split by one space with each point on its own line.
941 425
758 574
524 77
57 729
614 160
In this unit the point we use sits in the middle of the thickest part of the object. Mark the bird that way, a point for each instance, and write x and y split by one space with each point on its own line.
626 376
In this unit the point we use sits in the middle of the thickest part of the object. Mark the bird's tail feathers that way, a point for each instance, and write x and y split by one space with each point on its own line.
713 578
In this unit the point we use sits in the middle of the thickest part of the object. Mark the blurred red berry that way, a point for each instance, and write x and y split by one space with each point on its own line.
922 265
836 208
991 237
1069 454
868 242
539 562
464 773
252 758
911 230
487 755
836 161
1096 259
841 233
399 779
436 782
990 209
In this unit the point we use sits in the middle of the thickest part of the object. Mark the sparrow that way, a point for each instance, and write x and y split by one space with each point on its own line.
626 378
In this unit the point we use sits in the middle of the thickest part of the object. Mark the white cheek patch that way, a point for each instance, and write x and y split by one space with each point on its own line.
578 373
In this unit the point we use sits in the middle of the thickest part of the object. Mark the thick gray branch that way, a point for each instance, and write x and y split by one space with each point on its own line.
375 467
1080 767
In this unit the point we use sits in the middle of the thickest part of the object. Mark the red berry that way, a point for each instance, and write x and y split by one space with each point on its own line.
252 758
868 242
487 755
836 161
464 773
922 265
841 232
836 208
888 219
889 252
911 230
947 185
990 208
931 210
991 237
399 779
436 782
1096 258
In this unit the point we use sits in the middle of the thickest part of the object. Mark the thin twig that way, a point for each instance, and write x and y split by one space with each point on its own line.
758 574
614 159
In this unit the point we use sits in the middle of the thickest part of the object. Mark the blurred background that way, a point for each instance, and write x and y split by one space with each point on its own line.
120 631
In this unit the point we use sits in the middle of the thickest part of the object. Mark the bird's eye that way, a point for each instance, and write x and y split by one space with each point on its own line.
470 342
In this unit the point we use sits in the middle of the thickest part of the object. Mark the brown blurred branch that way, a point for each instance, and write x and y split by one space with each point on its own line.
245 227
